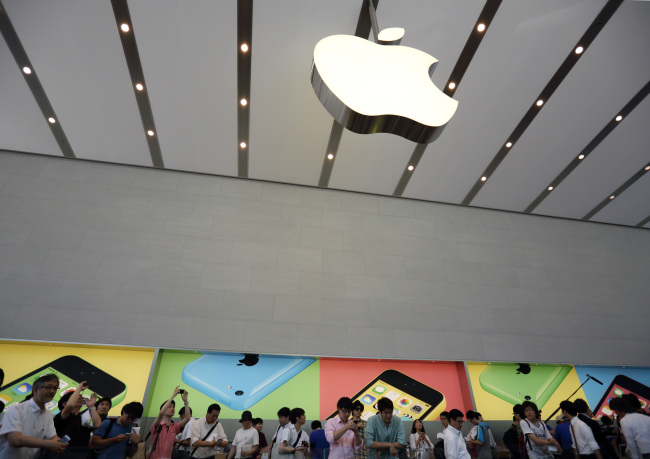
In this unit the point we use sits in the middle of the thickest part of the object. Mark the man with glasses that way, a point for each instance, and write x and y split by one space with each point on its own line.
115 439
455 447
342 433
28 427
384 432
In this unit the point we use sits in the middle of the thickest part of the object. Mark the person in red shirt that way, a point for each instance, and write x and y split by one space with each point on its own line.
164 431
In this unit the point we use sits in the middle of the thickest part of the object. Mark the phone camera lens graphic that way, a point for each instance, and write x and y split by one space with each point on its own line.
239 393
527 397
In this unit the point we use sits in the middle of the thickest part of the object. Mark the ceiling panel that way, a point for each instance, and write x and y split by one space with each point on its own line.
190 68
289 127
538 157
616 159
75 49
629 208
22 124
524 46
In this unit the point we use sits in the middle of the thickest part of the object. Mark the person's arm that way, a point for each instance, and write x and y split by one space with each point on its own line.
69 408
97 442
233 451
413 442
92 410
256 445
164 409
222 440
186 404
196 441
629 439
18 440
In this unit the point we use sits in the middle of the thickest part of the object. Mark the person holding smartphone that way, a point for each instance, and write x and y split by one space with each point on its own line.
384 432
294 443
69 422
247 439
115 439
342 433
357 411
163 430
28 427
419 440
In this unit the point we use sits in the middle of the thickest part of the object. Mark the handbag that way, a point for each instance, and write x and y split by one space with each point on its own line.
141 451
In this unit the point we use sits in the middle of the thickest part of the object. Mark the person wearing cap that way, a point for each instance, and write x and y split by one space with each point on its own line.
247 440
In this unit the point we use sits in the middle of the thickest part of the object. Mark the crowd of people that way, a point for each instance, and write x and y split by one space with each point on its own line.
28 430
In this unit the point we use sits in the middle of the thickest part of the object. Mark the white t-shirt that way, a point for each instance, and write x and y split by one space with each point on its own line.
535 451
277 437
289 437
245 439
28 419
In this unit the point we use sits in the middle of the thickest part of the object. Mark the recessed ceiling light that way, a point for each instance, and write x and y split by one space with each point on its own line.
51 120
509 144
330 156
243 102
242 145
581 157
539 103
612 197
550 188
150 132
125 27
139 87
452 85
619 118
244 47
483 179
480 27
27 70
410 168
579 50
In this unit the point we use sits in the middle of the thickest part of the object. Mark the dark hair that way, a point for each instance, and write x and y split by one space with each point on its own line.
284 412
133 410
173 403
257 421
181 412
478 414
569 407
471 415
64 399
529 404
453 414
580 405
384 404
316 425
413 427
606 420
295 414
105 399
43 379
344 403
214 406
621 404
633 400
357 404
518 410
445 414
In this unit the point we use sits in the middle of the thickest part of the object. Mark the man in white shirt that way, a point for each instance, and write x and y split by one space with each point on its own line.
207 434
185 437
29 426
455 447
283 420
294 442
635 427
584 443
247 439
444 420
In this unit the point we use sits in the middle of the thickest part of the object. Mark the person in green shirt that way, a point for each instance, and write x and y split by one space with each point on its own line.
384 432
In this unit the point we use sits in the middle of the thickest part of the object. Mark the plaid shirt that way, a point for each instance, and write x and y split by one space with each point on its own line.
361 453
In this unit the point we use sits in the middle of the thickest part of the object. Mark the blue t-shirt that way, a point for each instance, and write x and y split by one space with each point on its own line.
114 450
319 442
563 435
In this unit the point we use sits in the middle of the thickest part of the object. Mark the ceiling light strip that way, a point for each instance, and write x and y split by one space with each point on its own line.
592 32
617 192
364 25
591 146
330 156
643 222
244 60
132 57
33 82
462 64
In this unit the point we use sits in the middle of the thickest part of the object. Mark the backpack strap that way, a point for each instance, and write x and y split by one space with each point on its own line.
108 429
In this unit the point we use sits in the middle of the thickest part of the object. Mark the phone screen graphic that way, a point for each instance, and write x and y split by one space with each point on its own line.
622 385
70 370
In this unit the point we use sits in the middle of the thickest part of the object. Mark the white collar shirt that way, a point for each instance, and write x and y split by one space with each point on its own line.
187 433
199 430
636 428
582 437
455 447
30 420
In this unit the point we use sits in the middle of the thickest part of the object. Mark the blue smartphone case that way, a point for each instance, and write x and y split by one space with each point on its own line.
241 380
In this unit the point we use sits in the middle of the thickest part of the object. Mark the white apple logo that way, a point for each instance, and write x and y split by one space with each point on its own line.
370 88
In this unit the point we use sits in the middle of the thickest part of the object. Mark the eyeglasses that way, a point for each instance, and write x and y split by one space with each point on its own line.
345 411
459 421
49 387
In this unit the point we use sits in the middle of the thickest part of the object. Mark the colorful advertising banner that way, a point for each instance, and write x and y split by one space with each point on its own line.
118 373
